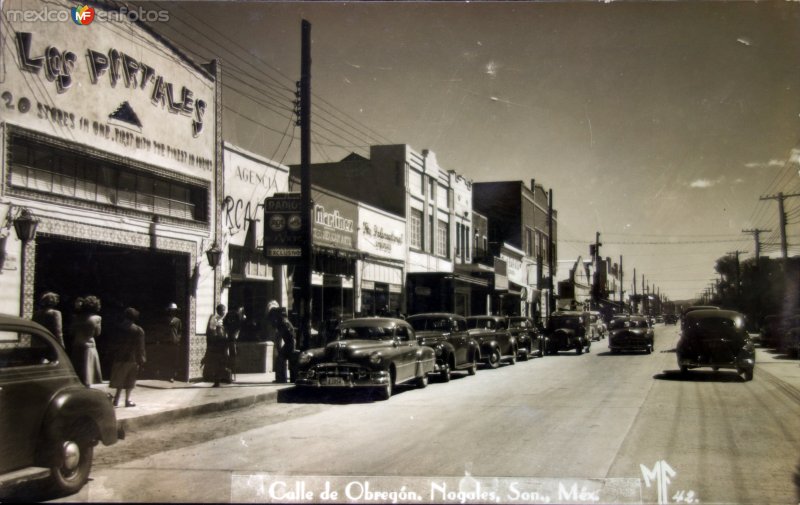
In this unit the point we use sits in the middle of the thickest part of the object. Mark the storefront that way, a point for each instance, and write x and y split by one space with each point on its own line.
381 238
248 280
111 143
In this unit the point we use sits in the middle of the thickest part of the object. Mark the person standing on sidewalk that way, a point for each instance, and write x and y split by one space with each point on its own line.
49 316
86 327
174 338
284 342
129 358
216 359
233 323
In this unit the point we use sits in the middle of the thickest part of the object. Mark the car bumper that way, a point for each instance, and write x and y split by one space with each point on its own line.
342 377
630 347
736 365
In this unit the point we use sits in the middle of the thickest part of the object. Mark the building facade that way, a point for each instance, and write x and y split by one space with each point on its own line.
111 140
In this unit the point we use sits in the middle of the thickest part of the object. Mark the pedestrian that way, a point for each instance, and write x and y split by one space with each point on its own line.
284 342
130 356
86 328
49 316
215 361
233 323
174 339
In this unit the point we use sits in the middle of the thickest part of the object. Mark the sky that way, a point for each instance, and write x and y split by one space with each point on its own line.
658 124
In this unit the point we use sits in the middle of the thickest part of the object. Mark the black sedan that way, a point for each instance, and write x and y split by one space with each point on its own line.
370 352
530 342
568 330
447 334
496 343
716 339
630 333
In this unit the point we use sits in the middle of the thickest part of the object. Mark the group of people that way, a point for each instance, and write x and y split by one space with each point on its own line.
87 326
222 333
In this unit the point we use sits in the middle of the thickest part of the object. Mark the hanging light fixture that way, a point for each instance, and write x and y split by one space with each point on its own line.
25 225
214 255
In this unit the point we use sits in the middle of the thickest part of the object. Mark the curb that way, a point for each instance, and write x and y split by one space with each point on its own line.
150 420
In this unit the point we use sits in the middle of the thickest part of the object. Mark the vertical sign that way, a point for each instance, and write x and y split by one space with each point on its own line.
283 228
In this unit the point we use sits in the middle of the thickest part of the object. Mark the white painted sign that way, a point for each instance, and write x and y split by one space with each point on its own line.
381 234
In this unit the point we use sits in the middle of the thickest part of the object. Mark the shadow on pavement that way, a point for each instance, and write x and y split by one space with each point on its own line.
622 353
30 491
700 376
334 396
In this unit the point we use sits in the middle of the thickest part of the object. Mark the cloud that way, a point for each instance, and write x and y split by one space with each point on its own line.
771 163
702 184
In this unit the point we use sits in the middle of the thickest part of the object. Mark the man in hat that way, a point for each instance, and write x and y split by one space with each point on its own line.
174 338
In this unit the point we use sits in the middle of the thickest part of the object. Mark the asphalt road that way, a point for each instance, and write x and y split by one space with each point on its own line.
597 421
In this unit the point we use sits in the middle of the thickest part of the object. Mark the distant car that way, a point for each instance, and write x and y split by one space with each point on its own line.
491 333
670 319
596 326
530 341
659 319
716 339
631 333
448 336
568 330
48 418
370 352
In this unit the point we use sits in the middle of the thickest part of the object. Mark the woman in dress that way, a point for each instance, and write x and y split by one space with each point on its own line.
49 316
129 358
86 327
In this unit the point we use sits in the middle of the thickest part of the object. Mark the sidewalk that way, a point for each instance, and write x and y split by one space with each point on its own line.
779 369
158 401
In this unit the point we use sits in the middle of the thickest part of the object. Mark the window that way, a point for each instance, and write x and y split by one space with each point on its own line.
25 349
41 167
415 233
402 333
415 182
441 239
431 189
529 249
458 240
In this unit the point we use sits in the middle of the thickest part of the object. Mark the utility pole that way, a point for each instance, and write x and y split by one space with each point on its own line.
780 197
621 285
738 274
305 187
550 252
635 296
756 235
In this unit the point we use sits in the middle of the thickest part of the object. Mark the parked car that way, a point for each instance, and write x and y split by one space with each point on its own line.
530 341
630 333
716 339
670 319
496 343
369 352
568 330
597 327
771 330
448 336
48 418
789 333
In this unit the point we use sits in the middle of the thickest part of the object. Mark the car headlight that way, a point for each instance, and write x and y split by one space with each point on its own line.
439 350
304 359
375 358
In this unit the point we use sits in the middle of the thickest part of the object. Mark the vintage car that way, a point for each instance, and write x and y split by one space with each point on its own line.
49 421
597 327
568 330
630 333
448 336
530 341
716 339
496 343
369 352
670 319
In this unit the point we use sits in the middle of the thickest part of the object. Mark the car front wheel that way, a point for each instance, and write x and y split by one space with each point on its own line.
748 374
75 458
422 382
445 373
385 391
473 369
494 359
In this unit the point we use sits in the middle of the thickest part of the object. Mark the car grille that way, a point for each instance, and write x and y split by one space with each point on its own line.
631 339
347 372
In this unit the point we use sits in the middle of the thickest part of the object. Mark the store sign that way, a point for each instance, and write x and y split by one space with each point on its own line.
113 87
380 234
283 228
334 221
248 182
514 268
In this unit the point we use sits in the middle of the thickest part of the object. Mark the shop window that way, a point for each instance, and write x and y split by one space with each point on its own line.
529 249
415 233
415 182
49 169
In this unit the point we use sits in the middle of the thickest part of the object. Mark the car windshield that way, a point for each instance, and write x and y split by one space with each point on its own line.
571 322
619 323
480 324
520 323
430 324
366 333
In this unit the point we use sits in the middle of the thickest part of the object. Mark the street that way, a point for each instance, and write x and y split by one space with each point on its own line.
717 438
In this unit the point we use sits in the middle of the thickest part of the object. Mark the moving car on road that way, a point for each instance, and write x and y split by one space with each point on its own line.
448 336
369 352
716 339
670 319
529 339
630 333
491 333
568 330
48 419
596 326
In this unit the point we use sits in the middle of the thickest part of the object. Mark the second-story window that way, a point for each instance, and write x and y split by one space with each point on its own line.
415 233
441 238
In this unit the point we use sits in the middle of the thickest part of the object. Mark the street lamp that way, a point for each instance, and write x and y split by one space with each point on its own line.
214 255
25 226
